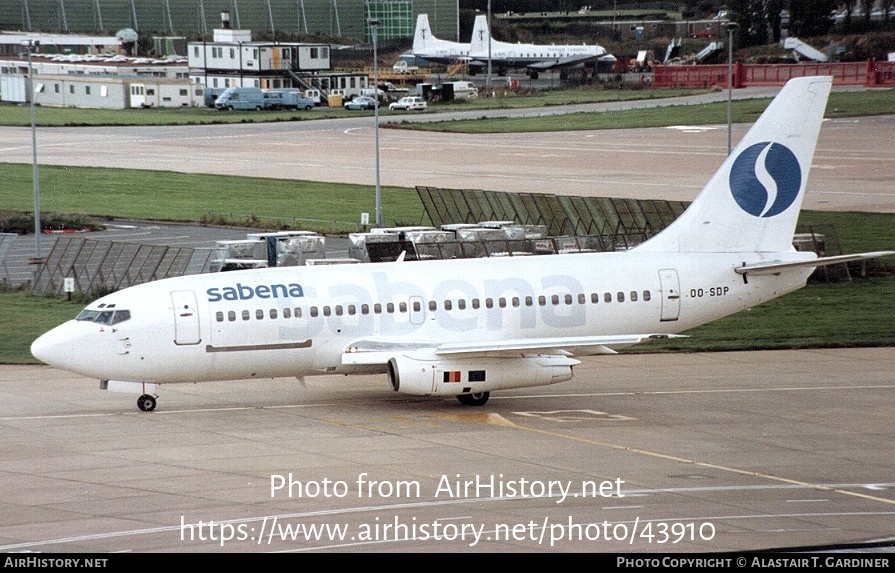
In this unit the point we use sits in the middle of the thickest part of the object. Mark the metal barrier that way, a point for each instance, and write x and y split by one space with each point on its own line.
6 241
870 73
108 265
563 215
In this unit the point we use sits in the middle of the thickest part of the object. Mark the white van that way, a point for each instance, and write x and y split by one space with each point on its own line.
236 98
462 90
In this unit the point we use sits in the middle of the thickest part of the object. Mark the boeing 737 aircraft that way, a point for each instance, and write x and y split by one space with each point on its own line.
468 327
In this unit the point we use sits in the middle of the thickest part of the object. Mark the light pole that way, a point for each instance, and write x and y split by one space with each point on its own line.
32 44
488 77
374 25
730 28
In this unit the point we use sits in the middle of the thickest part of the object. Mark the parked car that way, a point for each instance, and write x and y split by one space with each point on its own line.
361 102
409 103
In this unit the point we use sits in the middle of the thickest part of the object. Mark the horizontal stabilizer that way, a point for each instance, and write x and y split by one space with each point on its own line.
776 268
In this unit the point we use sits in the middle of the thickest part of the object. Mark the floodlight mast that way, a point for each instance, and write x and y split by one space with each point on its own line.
374 26
38 254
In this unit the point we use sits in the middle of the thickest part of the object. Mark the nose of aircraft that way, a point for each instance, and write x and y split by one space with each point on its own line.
53 347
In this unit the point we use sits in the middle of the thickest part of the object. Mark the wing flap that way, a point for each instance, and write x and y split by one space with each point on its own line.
570 346
373 351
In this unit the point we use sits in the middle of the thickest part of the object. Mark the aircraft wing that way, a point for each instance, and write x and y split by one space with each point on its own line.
373 351
563 62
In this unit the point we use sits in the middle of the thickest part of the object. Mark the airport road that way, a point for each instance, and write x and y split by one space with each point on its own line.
705 452
853 169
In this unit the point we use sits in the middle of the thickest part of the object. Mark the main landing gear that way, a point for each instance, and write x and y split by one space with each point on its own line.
478 399
146 403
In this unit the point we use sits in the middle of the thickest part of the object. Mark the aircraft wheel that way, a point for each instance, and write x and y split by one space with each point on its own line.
146 403
478 399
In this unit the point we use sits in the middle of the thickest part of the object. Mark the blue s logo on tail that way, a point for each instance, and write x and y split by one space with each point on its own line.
765 179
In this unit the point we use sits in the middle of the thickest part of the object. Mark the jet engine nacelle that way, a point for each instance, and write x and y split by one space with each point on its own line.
429 375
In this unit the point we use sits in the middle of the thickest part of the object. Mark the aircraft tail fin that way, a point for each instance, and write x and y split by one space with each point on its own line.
422 36
480 33
752 202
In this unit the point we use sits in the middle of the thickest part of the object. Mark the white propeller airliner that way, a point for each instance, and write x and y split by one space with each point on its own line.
468 327
534 58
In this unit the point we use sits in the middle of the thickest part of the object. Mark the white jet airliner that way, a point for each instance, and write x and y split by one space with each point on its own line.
468 327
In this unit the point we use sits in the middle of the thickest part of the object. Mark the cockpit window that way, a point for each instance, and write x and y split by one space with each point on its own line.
120 316
88 315
104 316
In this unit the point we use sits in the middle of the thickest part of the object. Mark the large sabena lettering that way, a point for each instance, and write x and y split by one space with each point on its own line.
248 292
